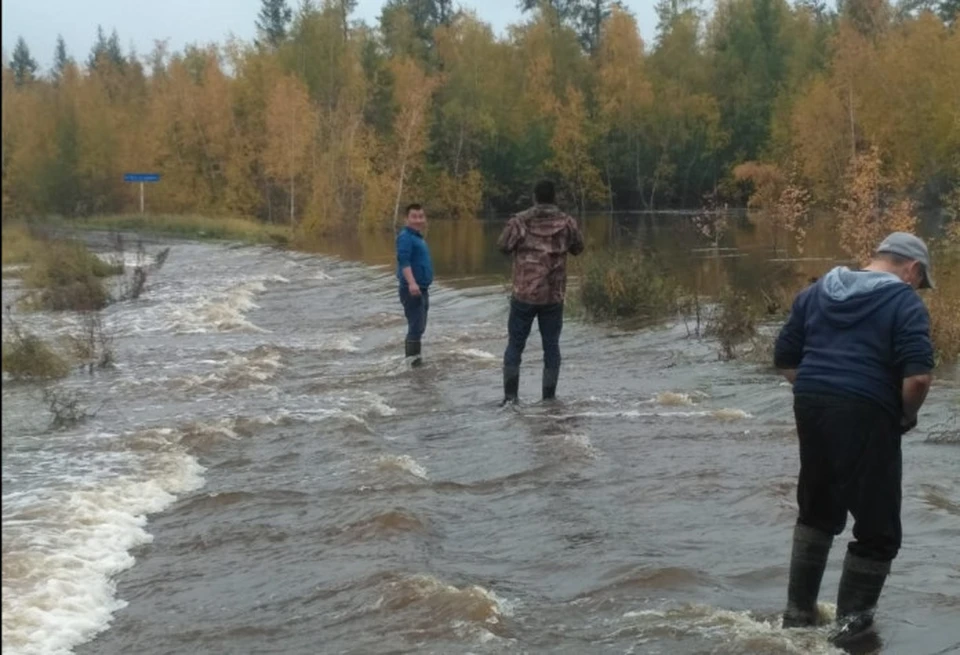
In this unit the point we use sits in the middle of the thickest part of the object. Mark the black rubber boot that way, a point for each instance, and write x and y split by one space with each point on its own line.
413 350
860 587
550 377
511 384
811 548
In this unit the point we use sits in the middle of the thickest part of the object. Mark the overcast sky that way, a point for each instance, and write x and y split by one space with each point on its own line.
139 24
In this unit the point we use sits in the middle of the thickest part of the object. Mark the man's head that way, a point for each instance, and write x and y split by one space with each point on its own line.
544 193
907 257
416 217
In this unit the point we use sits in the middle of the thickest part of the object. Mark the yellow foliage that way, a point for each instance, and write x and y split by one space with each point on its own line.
457 197
624 91
571 154
780 198
291 121
872 207
944 301
19 246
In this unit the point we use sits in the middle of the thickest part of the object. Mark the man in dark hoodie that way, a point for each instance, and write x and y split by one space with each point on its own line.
415 275
857 349
539 240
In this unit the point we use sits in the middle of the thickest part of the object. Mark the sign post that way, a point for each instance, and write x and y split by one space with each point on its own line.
141 178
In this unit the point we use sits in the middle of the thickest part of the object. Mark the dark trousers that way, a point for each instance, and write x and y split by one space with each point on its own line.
850 461
550 323
415 308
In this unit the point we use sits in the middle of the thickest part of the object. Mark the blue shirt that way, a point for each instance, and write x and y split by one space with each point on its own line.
412 251
856 334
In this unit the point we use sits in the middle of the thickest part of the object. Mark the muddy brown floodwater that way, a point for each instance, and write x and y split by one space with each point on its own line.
264 474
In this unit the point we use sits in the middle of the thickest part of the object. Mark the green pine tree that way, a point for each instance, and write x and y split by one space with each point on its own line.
24 66
273 20
60 58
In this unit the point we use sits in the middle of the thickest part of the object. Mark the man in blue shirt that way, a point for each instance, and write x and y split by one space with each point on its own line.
857 349
415 274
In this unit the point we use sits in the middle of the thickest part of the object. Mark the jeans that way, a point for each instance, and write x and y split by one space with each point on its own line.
415 308
550 323
850 461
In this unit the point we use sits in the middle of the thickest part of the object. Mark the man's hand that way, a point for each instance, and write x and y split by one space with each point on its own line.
913 393
789 373
412 285
907 423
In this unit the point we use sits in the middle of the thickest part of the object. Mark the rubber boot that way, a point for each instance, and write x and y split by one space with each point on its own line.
550 377
811 548
511 384
860 586
413 350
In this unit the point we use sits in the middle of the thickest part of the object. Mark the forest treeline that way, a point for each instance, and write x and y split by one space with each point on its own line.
325 122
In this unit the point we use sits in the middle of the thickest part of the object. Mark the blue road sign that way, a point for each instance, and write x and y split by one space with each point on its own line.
141 177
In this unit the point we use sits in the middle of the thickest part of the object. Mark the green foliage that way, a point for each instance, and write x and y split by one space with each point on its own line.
193 227
272 21
23 65
27 357
733 322
626 286
571 91
66 276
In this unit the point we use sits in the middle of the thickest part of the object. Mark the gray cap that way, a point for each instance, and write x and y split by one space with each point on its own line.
911 247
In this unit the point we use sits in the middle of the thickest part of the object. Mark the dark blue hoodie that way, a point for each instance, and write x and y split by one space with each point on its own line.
856 334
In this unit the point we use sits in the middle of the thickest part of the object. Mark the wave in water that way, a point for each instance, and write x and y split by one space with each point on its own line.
63 546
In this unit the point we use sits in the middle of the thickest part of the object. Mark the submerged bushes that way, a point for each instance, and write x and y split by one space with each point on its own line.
67 276
61 274
27 357
631 288
625 286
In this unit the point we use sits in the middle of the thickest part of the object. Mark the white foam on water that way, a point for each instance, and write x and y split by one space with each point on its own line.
366 403
61 555
475 353
221 312
344 343
581 444
731 414
402 463
128 259
714 624
319 415
424 586
671 398
721 414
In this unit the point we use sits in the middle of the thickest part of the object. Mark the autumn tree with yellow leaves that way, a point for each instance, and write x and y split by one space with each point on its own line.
328 123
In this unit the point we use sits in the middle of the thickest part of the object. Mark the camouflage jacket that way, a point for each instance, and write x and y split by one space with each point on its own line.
539 240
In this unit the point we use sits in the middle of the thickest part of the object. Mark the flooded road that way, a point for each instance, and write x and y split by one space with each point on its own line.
265 474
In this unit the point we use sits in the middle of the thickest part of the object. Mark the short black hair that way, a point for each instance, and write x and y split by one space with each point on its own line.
413 206
545 193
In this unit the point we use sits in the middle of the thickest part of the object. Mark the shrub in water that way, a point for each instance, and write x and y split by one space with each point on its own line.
625 286
27 357
733 322
67 276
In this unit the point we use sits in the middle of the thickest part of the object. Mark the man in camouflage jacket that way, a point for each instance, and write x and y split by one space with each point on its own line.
539 240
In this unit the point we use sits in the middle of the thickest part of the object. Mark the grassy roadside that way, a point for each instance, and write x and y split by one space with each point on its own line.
189 227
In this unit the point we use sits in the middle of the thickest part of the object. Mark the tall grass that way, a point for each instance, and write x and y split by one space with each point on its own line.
194 227
944 302
19 244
